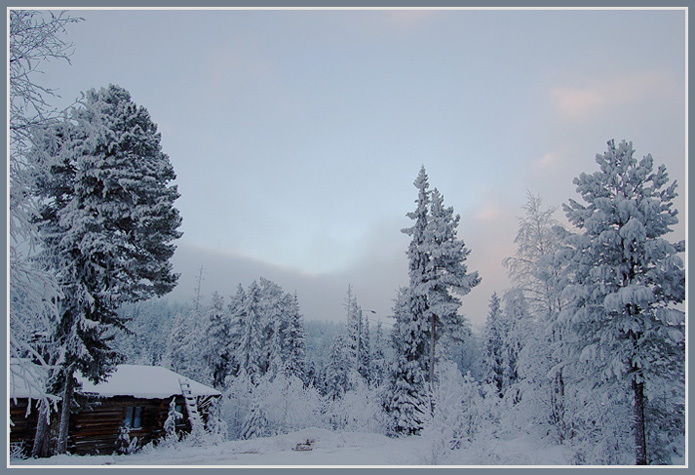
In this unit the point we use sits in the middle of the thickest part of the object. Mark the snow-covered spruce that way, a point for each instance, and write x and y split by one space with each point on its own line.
426 309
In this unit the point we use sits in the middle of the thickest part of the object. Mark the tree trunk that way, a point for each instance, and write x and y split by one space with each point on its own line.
41 447
639 423
557 406
433 339
359 344
62 445
563 422
434 335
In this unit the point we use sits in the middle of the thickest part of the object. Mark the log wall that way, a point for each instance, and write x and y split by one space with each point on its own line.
96 427
23 427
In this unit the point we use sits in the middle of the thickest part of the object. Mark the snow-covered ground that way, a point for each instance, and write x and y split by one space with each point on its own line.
327 449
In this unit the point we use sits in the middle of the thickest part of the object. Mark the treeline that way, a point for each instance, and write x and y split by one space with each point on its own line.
254 348
586 351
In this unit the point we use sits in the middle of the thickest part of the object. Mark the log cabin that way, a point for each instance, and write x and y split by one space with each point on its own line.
135 397
26 387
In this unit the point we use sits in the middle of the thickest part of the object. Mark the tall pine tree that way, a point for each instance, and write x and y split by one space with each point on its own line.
107 223
627 280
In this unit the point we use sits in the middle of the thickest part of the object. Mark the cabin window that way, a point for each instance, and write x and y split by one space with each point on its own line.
133 417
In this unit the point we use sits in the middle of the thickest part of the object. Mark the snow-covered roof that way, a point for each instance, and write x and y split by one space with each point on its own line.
147 382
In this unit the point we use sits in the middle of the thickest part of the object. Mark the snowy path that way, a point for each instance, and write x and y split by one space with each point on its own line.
328 448
332 449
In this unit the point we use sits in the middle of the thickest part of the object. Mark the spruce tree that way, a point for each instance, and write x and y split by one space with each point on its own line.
250 347
178 355
418 261
256 423
627 281
364 367
273 321
378 357
447 272
356 335
266 333
516 322
173 416
236 315
406 401
218 349
338 380
428 309
493 351
293 340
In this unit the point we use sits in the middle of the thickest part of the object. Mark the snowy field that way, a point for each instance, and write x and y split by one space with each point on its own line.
328 449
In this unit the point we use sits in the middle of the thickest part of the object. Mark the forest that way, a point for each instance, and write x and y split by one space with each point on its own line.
528 370
585 351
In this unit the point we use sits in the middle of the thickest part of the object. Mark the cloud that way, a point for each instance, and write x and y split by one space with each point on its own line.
489 234
375 276
489 212
583 102
548 160
577 103
487 260
224 271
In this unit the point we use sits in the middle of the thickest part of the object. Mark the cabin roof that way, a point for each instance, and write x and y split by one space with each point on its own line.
140 381
148 382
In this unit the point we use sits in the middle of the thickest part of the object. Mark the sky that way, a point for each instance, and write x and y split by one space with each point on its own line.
296 135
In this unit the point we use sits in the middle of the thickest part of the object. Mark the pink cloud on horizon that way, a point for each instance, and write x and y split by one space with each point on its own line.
583 102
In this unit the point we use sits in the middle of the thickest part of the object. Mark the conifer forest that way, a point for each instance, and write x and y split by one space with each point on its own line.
580 359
